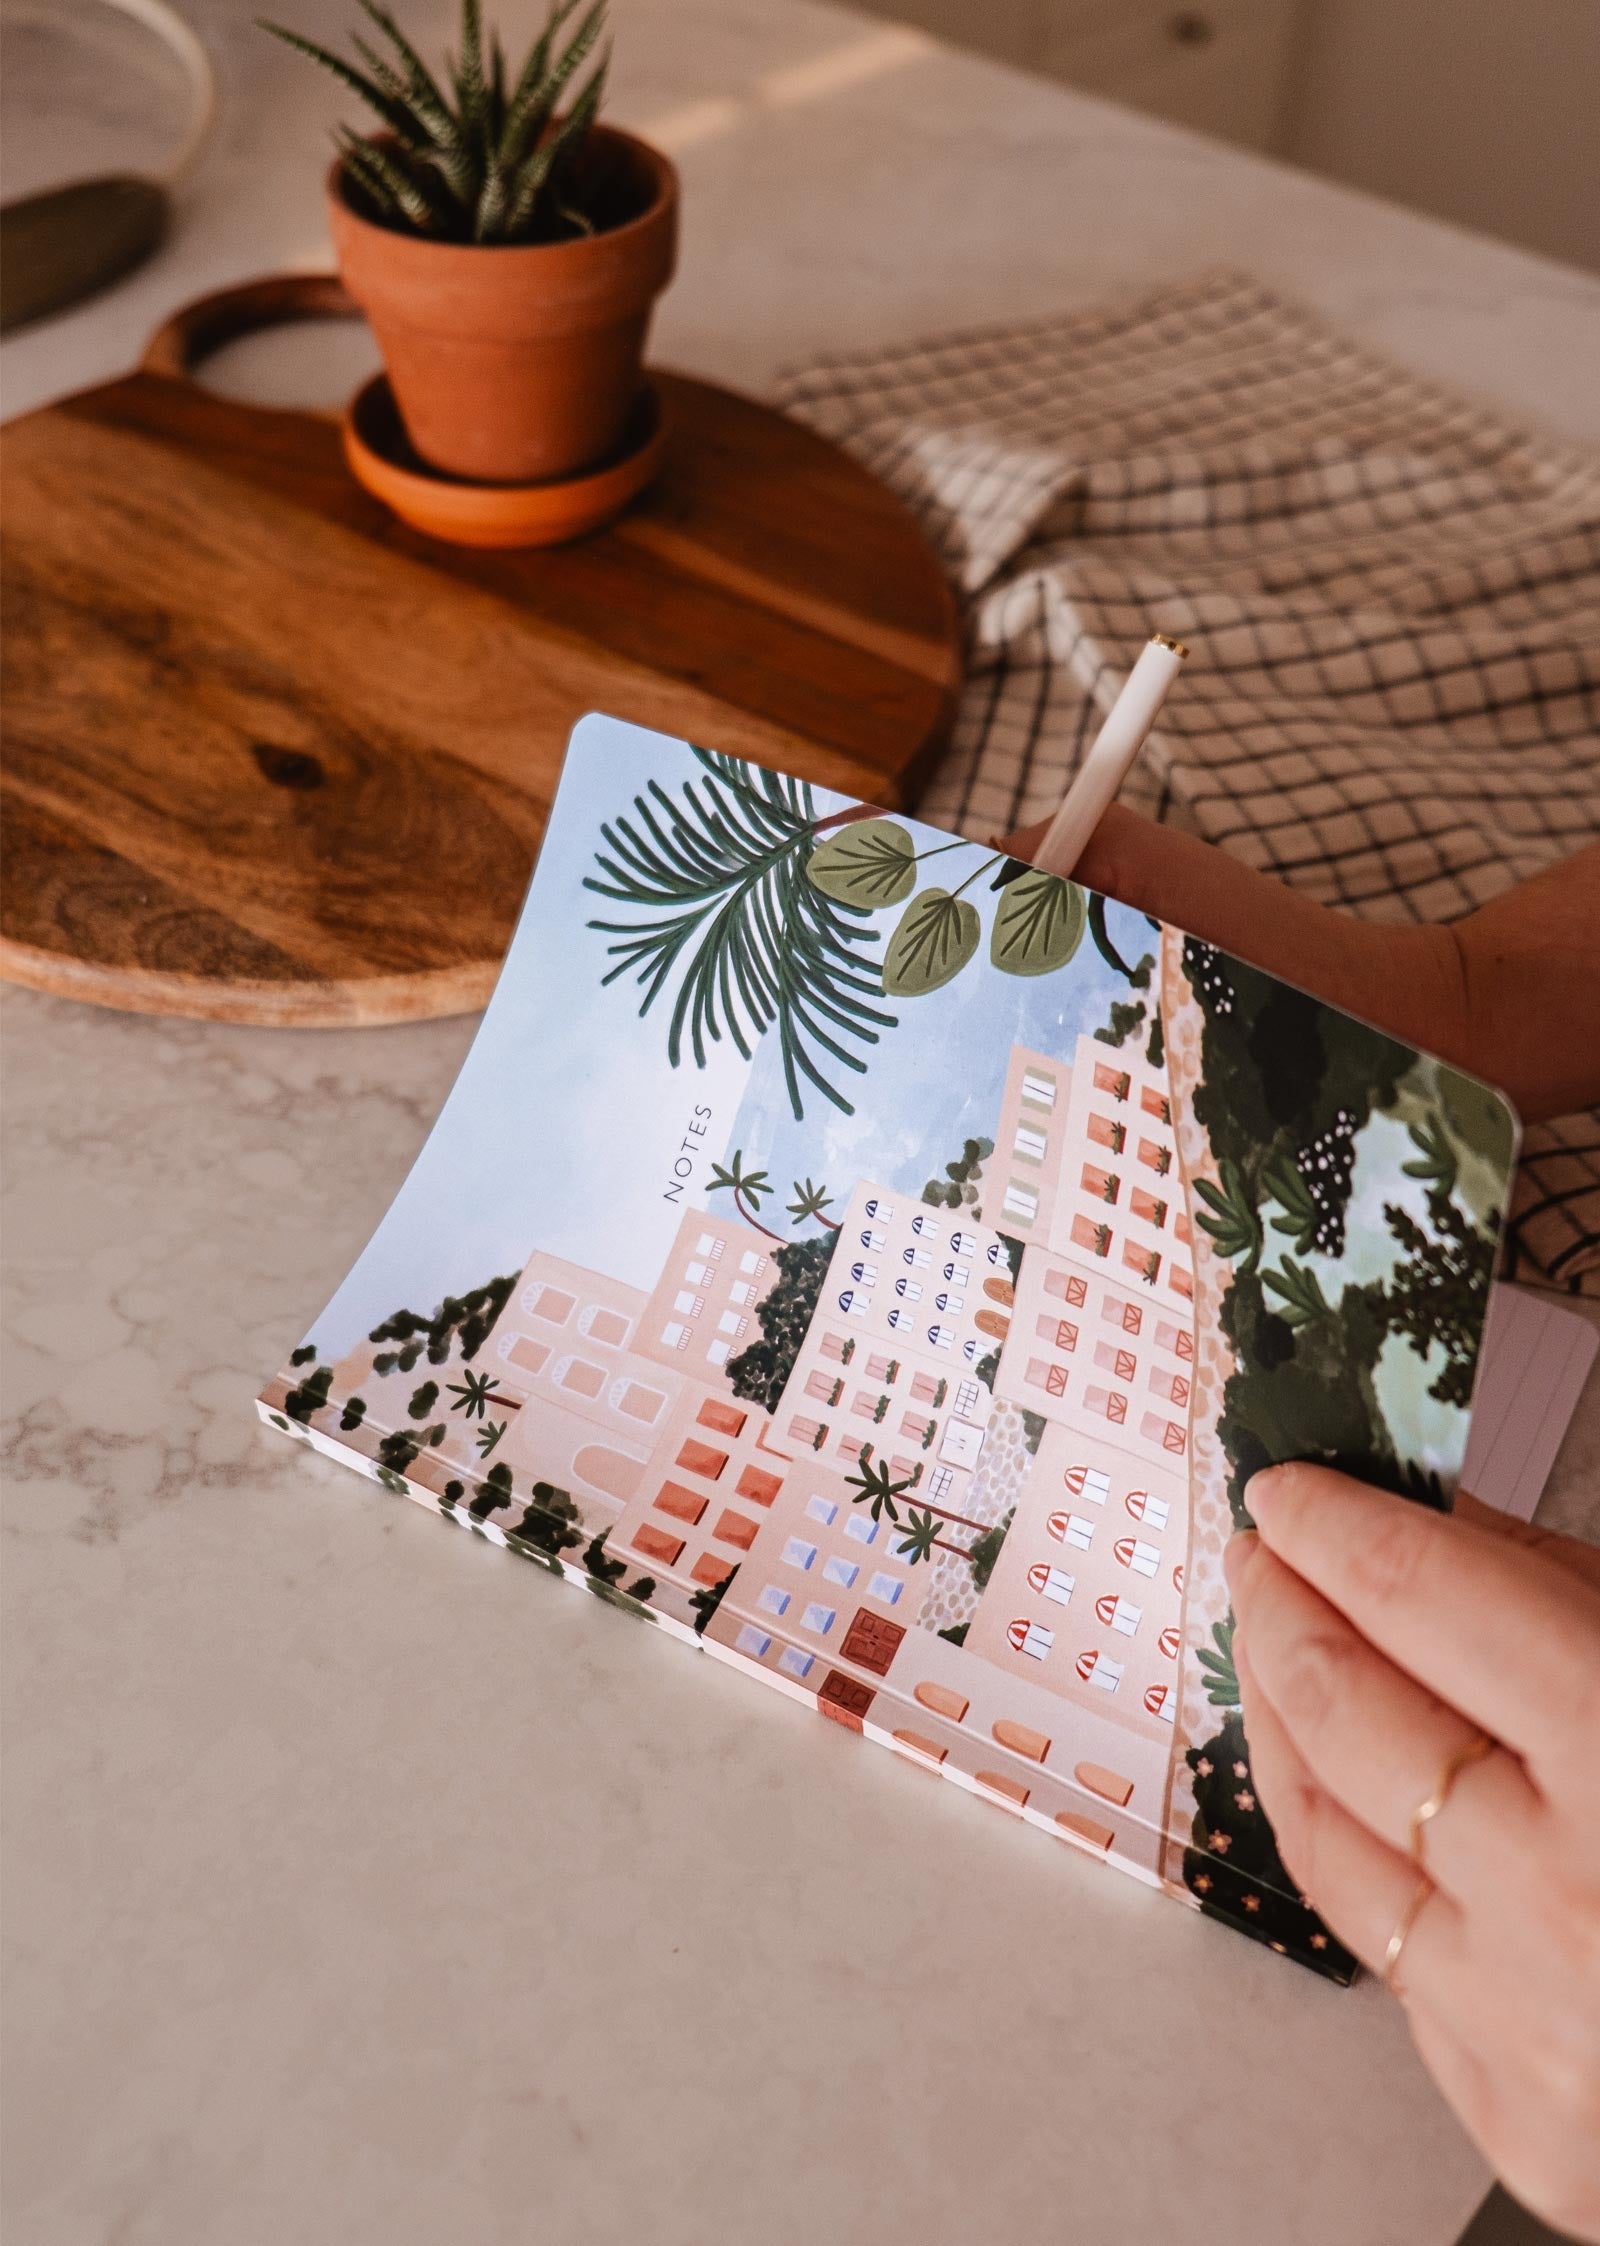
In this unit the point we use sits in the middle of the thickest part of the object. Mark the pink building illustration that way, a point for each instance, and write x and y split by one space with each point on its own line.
701 1310
915 1299
824 1593
1085 1163
1086 1597
1086 1352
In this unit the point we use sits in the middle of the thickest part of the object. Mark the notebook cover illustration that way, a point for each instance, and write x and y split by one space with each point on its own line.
884 1265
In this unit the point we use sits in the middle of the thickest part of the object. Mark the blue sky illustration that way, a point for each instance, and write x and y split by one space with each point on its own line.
569 1130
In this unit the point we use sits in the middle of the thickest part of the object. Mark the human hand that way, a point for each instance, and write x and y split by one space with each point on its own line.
1389 1656
1508 993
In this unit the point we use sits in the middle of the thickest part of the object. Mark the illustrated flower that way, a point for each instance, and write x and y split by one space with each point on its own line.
1219 1843
1245 1799
1204 1767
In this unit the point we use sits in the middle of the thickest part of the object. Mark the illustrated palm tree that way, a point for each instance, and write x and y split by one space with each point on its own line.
811 1201
754 945
918 1535
476 1392
747 1188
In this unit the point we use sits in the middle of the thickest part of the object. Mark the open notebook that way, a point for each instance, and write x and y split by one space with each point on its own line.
884 1265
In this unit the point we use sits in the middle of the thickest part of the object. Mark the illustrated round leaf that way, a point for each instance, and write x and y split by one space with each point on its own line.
936 937
1038 924
871 863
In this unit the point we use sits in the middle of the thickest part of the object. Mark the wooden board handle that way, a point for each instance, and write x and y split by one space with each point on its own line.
194 332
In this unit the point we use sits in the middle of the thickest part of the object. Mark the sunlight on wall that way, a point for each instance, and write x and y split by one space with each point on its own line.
853 64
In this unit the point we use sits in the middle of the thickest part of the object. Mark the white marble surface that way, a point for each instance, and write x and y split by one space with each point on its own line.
366 1885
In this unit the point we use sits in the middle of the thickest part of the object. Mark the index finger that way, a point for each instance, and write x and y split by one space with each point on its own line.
1491 1627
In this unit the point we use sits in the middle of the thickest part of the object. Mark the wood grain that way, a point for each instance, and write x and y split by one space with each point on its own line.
271 757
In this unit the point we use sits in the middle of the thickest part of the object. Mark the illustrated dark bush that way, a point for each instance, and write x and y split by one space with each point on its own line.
705 1602
1234 1870
396 1451
493 1492
784 1313
311 1394
465 1320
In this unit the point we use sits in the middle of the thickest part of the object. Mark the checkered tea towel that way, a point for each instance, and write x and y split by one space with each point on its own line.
1392 597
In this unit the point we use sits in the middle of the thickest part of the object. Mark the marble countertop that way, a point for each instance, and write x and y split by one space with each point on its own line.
364 1885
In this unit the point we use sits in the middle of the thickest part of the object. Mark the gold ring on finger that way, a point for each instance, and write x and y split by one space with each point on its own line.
1422 1817
1402 1933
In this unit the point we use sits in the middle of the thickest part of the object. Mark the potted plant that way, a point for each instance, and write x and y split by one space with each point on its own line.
507 249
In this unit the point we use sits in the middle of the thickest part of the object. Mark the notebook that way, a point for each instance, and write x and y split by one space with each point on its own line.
883 1265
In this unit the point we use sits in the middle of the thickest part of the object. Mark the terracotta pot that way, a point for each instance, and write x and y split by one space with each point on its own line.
519 363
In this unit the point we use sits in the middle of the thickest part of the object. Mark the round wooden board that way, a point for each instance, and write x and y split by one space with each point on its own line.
271 757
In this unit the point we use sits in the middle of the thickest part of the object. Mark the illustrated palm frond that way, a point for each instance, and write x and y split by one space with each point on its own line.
1436 1165
743 1184
1221 1677
1303 1299
877 1487
735 930
917 1539
1232 1222
475 1391
1283 1182
809 1201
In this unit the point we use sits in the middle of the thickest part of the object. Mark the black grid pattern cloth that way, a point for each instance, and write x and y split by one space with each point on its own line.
1392 597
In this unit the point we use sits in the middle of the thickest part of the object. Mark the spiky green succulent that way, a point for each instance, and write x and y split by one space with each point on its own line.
488 161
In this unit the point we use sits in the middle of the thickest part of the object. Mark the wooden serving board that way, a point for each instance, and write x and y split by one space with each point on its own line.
272 757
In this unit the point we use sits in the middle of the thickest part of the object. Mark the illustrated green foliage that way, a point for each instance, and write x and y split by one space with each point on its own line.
936 936
306 1354
748 1187
548 1526
704 1603
355 1411
310 1395
423 1399
810 1201
958 1187
463 1321
761 1370
599 1564
1283 1182
1439 1297
493 1493
1221 1677
1126 1015
1229 1216
1038 924
1436 1163
473 1392
721 877
1301 1290
487 161
986 1550
488 1435
397 1450
877 1488
870 863
1155 1051
1233 1868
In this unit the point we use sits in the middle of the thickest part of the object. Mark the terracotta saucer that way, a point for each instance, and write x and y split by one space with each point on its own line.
380 455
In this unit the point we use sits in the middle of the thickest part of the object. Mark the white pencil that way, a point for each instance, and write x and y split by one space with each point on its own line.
1109 761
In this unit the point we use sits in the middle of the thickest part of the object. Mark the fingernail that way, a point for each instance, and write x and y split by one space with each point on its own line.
1237 1555
1269 1485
